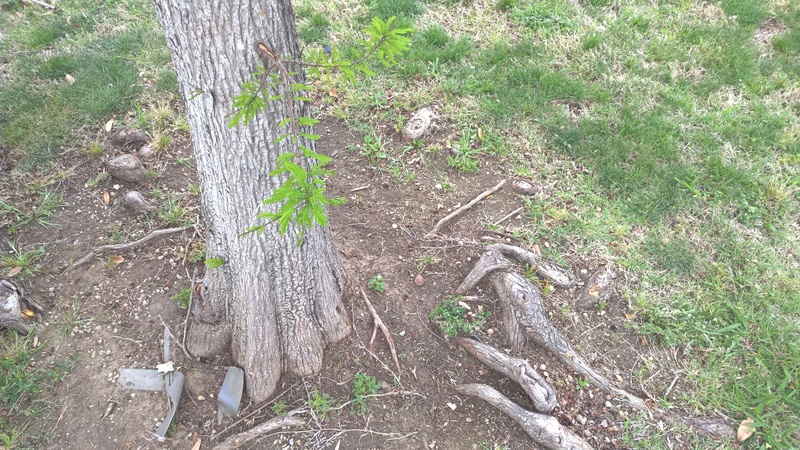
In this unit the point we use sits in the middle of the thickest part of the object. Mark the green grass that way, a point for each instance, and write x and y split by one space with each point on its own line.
670 137
113 68
24 390
690 137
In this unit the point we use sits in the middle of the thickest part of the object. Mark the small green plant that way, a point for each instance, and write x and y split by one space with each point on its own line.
182 298
452 317
582 383
197 253
94 182
22 263
95 149
213 263
426 261
21 383
40 214
377 284
373 148
464 160
363 387
161 142
321 404
280 408
172 212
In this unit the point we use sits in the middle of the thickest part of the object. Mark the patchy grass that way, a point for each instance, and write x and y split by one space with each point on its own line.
687 136
75 69
24 389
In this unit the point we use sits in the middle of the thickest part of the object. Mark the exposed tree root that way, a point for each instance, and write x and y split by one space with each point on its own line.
490 261
519 370
521 302
543 429
524 317
560 276
122 247
378 323
16 311
288 420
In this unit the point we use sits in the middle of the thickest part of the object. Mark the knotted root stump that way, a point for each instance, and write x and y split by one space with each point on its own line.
16 311
519 370
543 429
524 317
523 300
561 277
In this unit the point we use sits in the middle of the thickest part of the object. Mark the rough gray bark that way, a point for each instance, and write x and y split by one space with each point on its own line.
524 299
541 394
281 301
543 429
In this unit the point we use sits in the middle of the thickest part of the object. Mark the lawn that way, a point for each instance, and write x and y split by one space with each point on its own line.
679 122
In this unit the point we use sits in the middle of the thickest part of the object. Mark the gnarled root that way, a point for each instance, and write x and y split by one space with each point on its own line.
490 261
522 303
561 277
519 370
16 311
543 429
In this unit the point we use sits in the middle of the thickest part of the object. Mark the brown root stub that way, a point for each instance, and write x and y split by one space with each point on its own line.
523 301
599 288
127 168
561 277
519 370
130 138
491 260
419 123
16 312
290 419
543 429
135 201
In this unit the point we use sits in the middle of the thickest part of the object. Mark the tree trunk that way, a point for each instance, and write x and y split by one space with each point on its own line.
280 301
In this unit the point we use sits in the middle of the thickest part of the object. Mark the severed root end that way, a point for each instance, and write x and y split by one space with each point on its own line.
541 394
543 429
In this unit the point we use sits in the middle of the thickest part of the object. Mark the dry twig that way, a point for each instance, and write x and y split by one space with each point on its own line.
378 323
464 208
178 343
543 429
122 247
42 4
288 420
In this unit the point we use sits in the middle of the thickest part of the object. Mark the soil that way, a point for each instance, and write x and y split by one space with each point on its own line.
108 317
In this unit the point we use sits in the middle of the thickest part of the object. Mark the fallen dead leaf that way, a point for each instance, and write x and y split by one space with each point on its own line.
644 342
109 125
630 316
28 314
746 429
14 271
333 93
70 78
116 260
106 197
197 443
419 280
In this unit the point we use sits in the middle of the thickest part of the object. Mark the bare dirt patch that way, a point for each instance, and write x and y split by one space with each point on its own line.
108 317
